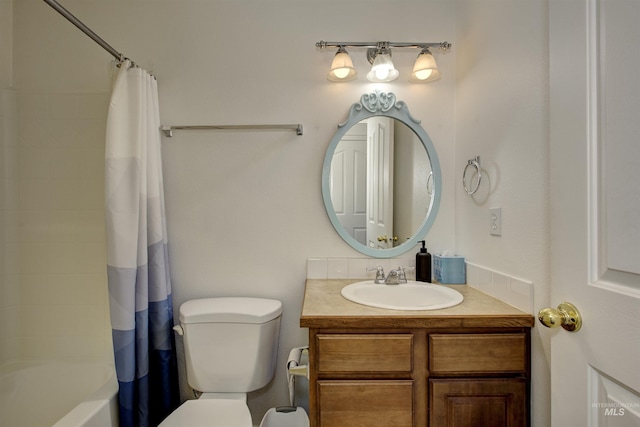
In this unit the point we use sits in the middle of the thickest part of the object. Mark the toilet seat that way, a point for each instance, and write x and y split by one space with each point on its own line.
210 413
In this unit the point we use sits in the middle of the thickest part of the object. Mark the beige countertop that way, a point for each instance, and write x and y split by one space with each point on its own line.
324 307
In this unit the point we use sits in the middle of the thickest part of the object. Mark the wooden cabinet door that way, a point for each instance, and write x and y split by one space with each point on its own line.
365 403
468 402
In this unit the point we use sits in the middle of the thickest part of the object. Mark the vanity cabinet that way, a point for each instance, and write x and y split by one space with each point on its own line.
370 367
419 377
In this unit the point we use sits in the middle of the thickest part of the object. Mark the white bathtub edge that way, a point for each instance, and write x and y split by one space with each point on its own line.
98 410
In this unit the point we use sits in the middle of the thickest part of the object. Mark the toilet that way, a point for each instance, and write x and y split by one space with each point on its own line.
230 347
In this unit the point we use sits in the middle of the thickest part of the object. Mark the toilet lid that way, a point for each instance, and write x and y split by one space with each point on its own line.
210 413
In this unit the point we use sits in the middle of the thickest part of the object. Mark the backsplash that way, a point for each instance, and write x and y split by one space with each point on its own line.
515 291
512 290
354 268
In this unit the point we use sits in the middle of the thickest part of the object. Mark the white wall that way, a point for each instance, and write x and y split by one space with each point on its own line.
502 116
245 209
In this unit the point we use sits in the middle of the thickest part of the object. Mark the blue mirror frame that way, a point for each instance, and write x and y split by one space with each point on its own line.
384 104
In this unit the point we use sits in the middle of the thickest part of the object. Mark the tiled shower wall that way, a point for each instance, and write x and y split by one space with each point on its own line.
60 237
9 278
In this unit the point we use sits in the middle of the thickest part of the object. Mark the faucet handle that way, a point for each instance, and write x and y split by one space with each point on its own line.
379 274
402 275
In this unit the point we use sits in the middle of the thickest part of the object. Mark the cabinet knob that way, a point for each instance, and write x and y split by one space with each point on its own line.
566 315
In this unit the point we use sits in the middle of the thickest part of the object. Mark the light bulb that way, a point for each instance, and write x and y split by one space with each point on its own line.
382 72
341 73
423 74
382 69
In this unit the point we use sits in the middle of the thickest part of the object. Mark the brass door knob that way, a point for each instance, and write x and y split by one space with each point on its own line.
383 239
566 315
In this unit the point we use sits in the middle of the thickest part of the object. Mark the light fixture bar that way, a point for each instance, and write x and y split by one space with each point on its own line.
418 45
383 70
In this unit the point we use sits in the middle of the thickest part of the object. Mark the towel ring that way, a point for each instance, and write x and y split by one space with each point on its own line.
430 181
475 163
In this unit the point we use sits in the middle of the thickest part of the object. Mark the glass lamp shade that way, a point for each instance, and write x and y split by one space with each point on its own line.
425 68
382 69
342 68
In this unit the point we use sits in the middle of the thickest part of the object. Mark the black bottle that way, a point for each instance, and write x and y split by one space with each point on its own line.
423 264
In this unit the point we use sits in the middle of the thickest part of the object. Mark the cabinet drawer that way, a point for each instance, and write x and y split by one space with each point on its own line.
477 353
339 353
365 403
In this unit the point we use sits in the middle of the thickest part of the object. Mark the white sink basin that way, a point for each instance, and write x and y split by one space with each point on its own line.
405 296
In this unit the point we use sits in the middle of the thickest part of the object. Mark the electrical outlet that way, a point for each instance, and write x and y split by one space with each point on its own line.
495 221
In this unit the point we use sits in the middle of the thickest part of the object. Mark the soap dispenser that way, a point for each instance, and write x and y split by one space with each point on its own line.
423 264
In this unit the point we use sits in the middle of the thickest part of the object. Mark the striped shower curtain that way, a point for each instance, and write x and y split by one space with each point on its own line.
137 263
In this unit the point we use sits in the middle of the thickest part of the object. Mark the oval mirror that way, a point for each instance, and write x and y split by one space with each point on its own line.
381 179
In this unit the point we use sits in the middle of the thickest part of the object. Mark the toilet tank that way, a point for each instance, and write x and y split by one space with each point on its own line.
230 344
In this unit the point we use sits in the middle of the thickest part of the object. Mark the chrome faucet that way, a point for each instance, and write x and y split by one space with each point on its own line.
396 277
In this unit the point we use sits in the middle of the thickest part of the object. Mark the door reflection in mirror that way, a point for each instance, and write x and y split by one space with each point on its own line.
378 182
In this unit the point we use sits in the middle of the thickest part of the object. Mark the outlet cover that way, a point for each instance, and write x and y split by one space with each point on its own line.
495 221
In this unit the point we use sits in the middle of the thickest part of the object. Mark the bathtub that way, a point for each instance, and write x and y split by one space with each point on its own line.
60 394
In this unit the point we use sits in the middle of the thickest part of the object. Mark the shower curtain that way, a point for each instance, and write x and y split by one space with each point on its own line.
137 262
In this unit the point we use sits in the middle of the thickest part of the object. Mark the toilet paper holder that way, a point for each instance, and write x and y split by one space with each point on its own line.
295 369
293 363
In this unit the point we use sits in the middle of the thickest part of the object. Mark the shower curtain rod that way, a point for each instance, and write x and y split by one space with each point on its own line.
75 21
168 130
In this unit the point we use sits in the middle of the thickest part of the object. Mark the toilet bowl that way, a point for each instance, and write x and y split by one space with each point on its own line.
230 349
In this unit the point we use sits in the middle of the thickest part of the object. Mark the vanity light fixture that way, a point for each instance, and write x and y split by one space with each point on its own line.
382 69
342 67
425 68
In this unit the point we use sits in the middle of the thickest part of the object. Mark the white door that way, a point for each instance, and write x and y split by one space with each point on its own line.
380 182
348 182
595 210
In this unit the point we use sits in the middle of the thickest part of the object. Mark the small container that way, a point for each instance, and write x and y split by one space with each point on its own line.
449 269
423 264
